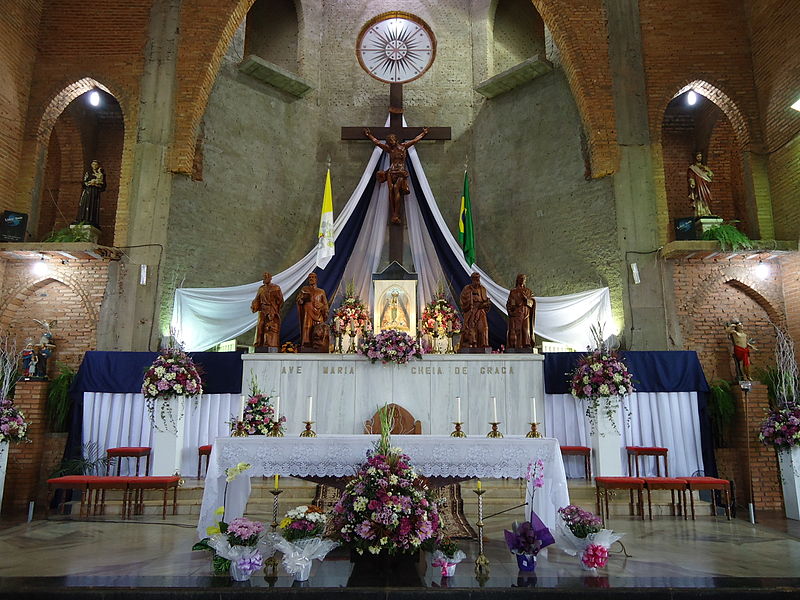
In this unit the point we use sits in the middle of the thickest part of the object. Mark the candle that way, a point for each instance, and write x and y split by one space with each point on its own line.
533 409
494 410
310 404
241 407
480 485
277 408
458 409
276 481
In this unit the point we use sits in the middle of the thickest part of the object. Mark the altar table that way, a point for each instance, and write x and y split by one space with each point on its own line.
340 455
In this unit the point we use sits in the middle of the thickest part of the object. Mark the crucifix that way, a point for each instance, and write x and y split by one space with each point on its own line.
396 48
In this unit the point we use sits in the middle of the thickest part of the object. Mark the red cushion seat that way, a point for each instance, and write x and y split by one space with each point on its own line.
205 449
664 481
611 481
71 480
581 449
129 451
646 449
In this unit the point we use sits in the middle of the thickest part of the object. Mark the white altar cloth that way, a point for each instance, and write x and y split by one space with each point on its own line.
340 455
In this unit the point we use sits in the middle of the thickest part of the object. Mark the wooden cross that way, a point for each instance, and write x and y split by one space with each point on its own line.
402 133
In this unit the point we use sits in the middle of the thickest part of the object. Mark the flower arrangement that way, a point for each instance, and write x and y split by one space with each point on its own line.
288 348
439 317
390 345
238 546
446 556
173 374
527 539
303 522
601 378
781 428
13 426
581 533
352 316
258 416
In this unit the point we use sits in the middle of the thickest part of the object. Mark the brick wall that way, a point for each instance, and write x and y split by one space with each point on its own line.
790 266
725 160
707 295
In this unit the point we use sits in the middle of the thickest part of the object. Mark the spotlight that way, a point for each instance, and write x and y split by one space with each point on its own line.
691 98
762 270
94 98
40 267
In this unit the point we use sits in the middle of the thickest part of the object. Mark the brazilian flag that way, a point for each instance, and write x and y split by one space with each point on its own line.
466 234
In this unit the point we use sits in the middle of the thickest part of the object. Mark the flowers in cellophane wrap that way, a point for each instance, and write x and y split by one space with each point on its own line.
351 316
446 556
781 428
602 379
580 533
258 415
390 345
300 540
173 374
239 547
439 317
386 507
13 426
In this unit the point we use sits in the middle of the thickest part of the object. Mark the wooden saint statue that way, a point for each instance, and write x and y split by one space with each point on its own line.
396 176
475 304
268 303
700 176
94 182
312 309
521 315
741 349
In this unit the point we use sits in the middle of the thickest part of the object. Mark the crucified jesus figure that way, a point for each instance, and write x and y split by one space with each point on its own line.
396 175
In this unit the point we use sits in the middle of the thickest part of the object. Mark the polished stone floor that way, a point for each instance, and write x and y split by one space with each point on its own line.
665 552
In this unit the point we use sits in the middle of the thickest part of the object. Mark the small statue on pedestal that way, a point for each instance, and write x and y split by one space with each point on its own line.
475 304
268 303
741 349
94 182
700 176
521 316
312 311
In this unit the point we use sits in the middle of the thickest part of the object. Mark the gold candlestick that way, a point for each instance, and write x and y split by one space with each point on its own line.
457 431
308 432
276 429
481 563
494 433
271 564
534 432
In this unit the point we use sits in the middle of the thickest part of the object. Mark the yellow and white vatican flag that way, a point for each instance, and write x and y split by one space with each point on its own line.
325 244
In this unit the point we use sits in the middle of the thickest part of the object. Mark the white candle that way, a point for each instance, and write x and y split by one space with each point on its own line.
310 404
458 409
241 407
494 410
533 409
277 407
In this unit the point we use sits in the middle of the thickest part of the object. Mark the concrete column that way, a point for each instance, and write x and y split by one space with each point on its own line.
634 191
131 317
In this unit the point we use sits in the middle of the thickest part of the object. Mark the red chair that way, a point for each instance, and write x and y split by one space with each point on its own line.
605 485
667 483
201 452
69 482
137 485
136 452
580 451
99 485
634 452
710 483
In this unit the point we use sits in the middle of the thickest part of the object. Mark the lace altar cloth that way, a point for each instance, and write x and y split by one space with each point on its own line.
339 455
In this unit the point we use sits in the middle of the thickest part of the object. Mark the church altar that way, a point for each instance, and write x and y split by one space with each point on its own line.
339 455
347 389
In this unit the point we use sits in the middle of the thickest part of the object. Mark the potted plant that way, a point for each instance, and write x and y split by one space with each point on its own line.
446 556
580 532
526 540
301 540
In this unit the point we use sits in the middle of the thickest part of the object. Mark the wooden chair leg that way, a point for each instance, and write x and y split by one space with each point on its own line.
175 500
589 466
597 501
666 466
691 501
649 505
727 504
199 462
138 458
605 495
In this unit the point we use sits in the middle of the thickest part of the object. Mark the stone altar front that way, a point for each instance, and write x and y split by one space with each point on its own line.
348 389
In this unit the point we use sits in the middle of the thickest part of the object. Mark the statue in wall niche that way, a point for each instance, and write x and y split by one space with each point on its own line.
396 176
521 315
475 304
94 182
268 303
700 176
312 309
741 349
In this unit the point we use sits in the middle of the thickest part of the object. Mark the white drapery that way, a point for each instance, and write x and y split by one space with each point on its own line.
204 317
666 419
114 420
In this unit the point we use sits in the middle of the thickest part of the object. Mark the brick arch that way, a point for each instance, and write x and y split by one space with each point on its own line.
717 95
61 100
24 290
774 316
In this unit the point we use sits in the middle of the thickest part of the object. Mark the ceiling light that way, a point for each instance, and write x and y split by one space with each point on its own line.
691 98
40 268
94 98
762 270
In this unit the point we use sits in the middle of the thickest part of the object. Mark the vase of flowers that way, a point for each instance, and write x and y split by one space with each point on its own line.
581 533
238 547
601 379
390 345
258 415
526 540
447 556
13 428
172 376
781 430
301 540
441 322
349 321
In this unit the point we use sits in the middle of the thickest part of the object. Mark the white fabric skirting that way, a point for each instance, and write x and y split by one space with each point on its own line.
114 420
666 419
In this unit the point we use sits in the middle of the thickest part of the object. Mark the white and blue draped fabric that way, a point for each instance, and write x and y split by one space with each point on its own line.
204 317
668 409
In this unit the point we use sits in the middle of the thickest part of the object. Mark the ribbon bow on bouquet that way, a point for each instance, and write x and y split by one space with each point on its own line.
445 562
442 562
248 559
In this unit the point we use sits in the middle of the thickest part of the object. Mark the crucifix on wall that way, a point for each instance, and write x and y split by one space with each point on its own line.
396 48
